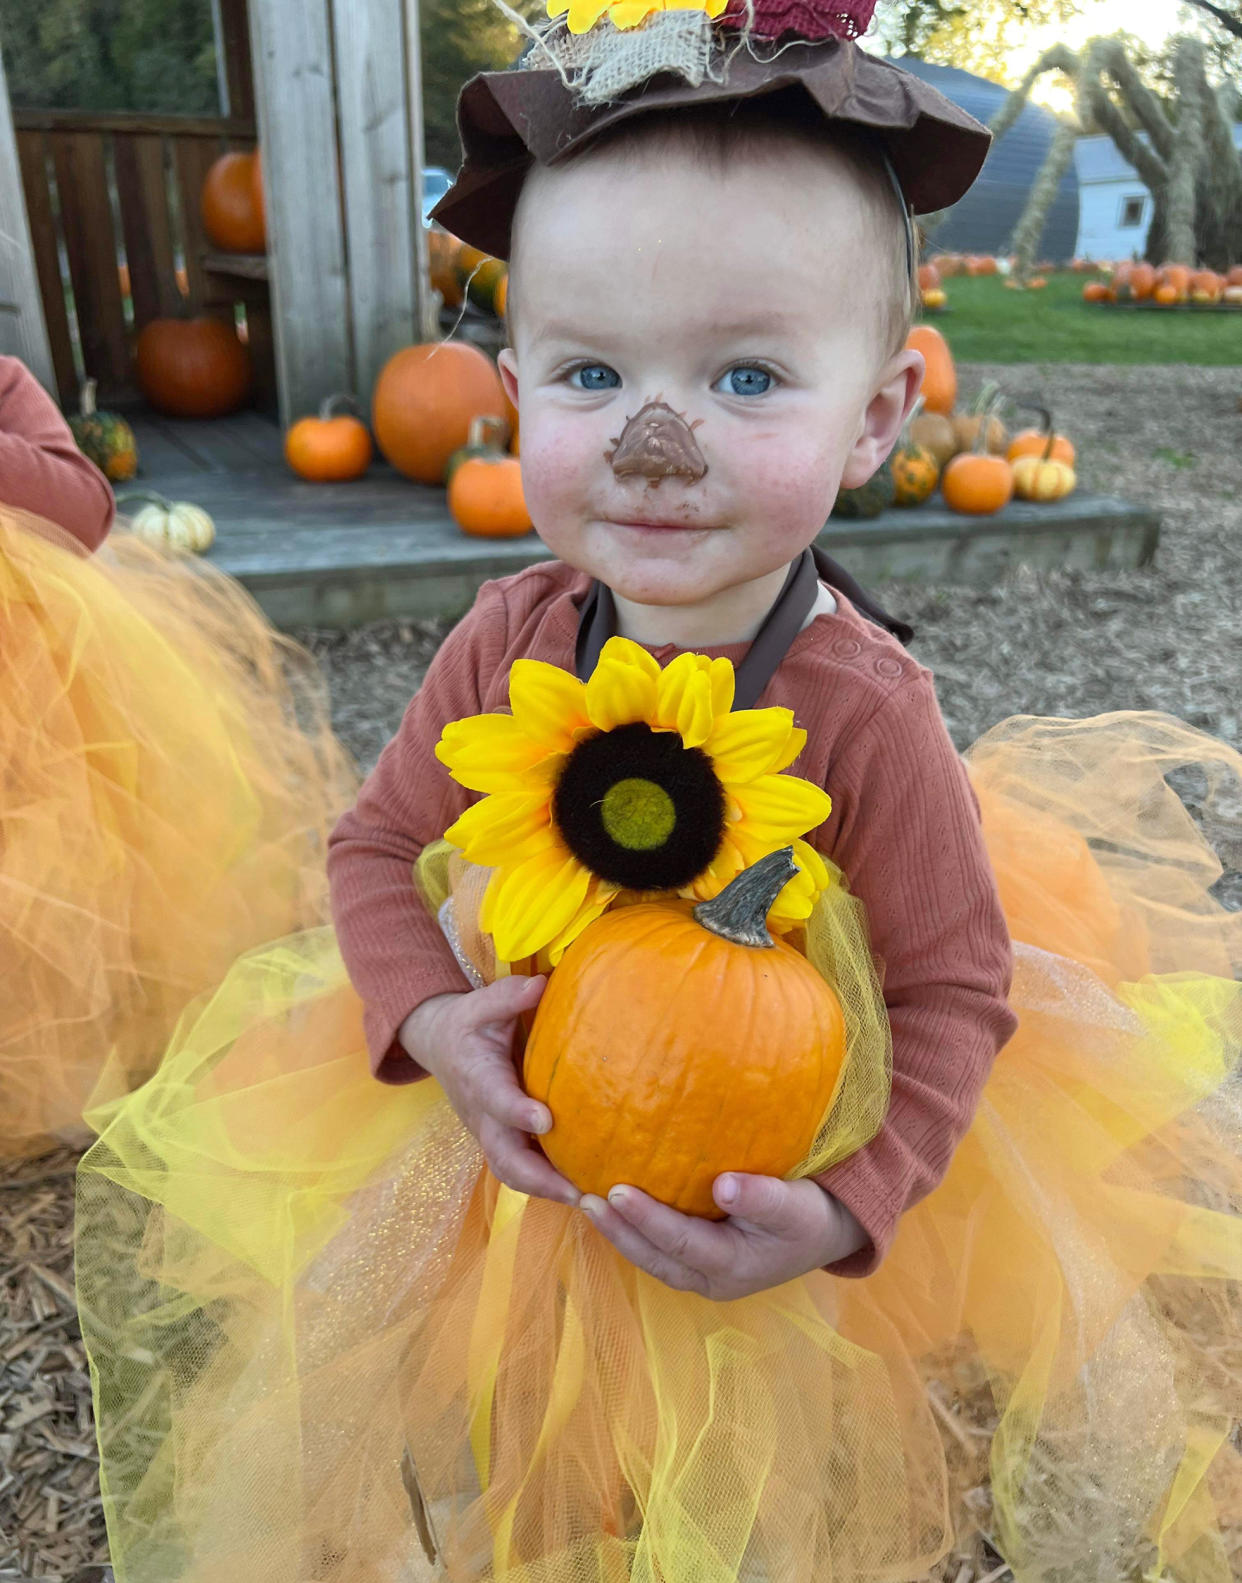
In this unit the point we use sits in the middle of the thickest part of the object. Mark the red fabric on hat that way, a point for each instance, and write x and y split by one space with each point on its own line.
771 18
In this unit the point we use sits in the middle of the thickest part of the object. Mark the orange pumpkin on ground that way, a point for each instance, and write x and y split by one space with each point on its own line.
1177 276
331 448
1166 295
1234 277
485 496
424 400
929 277
442 250
939 387
675 1042
232 218
192 368
1205 286
1097 291
1142 281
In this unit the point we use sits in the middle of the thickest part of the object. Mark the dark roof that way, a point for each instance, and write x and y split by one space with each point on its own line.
983 221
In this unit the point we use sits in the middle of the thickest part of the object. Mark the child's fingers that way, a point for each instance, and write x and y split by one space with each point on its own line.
703 1245
516 1162
765 1202
503 1001
630 1242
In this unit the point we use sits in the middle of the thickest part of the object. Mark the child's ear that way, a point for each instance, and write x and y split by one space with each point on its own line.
888 409
506 361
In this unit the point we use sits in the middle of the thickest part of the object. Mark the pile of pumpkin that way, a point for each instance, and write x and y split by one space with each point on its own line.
950 264
977 464
464 274
1169 286
440 416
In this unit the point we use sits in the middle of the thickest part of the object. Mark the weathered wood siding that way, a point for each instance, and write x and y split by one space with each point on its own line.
337 91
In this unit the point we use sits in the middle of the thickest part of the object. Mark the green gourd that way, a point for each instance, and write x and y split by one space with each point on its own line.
104 439
876 495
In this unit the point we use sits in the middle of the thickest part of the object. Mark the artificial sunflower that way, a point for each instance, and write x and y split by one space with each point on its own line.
638 780
624 14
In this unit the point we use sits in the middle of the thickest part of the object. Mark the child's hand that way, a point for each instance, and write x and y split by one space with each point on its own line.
776 1231
466 1042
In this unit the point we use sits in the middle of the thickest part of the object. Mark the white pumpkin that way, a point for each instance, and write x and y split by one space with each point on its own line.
174 525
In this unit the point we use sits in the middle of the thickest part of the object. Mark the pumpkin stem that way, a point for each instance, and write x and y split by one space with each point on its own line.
1045 425
989 399
479 427
331 405
87 399
740 912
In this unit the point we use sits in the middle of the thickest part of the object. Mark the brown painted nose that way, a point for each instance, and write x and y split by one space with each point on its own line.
657 443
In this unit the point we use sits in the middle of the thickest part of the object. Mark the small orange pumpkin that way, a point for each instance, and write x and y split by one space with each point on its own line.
929 277
1097 291
733 1072
939 387
915 475
231 217
1177 276
975 482
485 497
424 400
1166 294
331 448
1042 442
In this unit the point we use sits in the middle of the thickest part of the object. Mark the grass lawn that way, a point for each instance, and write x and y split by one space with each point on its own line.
985 323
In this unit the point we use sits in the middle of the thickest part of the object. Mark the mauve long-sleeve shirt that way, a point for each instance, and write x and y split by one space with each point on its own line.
41 469
904 829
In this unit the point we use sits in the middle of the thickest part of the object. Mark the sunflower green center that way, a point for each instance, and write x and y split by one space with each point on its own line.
639 808
638 814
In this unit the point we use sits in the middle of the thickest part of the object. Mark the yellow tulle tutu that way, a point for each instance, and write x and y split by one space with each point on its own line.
326 1346
167 782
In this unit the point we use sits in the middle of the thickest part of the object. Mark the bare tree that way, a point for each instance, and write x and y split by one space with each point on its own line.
1186 156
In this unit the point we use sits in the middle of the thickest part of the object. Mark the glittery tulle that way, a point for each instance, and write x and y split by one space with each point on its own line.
319 1331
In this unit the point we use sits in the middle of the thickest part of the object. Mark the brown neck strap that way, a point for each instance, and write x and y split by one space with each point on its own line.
597 622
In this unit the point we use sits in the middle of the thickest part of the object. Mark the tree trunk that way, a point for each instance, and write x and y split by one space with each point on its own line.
1030 227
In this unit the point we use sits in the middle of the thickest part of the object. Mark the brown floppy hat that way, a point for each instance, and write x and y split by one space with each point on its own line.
510 120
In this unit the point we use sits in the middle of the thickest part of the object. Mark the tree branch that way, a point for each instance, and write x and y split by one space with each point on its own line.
1233 24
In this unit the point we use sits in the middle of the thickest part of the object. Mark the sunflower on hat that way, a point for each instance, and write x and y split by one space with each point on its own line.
639 779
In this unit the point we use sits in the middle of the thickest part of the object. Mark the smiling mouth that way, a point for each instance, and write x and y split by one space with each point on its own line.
662 527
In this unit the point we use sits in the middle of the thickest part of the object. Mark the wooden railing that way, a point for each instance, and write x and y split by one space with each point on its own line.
113 202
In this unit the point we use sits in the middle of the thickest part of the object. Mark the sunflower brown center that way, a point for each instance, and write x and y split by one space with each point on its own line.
638 814
639 808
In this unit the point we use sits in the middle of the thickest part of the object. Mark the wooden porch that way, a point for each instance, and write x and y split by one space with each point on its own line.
340 555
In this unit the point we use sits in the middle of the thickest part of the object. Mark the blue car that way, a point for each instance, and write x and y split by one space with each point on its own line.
436 182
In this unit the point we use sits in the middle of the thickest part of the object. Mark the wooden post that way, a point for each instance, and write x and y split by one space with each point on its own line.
23 329
339 104
291 42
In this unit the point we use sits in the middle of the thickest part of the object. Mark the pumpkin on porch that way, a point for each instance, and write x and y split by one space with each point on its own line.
331 448
424 400
192 368
171 524
232 205
485 497
104 439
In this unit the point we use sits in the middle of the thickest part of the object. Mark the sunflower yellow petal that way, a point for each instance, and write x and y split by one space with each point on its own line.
723 683
626 651
775 808
629 13
537 901
548 703
598 900
502 830
754 742
619 692
812 865
684 699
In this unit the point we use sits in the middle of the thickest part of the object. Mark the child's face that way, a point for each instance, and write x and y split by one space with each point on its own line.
748 300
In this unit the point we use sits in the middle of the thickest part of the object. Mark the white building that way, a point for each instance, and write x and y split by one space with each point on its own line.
1114 207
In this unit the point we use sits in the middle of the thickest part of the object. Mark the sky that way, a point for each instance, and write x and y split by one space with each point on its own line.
1150 20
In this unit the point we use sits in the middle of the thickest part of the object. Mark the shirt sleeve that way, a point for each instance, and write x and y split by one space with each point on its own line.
41 469
395 952
905 830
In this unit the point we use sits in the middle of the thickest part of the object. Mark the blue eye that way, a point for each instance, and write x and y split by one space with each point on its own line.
610 381
747 379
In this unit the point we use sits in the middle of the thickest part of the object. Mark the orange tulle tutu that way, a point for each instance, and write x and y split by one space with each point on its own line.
327 1346
167 782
